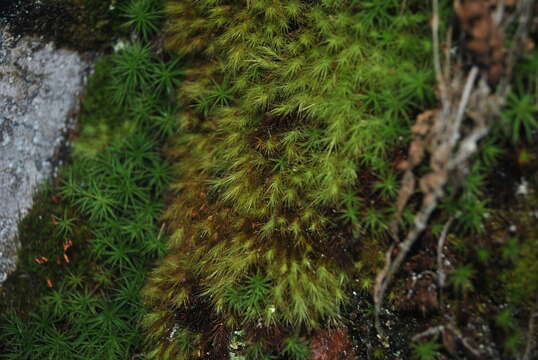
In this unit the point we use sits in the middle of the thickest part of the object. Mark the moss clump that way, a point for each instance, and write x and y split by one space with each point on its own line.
102 121
293 114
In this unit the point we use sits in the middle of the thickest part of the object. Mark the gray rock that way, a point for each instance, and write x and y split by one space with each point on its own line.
39 92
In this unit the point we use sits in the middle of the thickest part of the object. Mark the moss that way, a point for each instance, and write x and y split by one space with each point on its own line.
98 245
292 112
97 226
521 275
40 239
293 116
102 121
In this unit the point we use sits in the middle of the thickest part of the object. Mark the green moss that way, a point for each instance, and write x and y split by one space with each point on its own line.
102 121
521 275
94 297
98 227
293 116
118 99
428 350
41 238
143 16
518 123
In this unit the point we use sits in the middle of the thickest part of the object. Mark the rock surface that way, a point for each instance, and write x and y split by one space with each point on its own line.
39 91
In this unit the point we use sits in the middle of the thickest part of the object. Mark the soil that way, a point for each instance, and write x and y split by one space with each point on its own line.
81 25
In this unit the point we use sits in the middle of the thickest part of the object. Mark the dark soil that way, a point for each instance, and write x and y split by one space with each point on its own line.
82 25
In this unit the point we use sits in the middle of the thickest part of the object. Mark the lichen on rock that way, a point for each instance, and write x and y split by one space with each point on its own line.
39 90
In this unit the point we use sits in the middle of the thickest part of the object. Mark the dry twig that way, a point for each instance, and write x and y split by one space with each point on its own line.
442 329
441 276
433 331
531 334
476 353
449 141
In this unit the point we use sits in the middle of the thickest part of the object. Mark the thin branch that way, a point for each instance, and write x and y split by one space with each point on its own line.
471 78
499 12
450 145
368 344
523 14
436 60
476 353
531 334
441 276
384 278
448 50
433 331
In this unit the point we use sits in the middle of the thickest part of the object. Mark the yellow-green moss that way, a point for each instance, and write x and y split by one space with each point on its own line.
292 115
